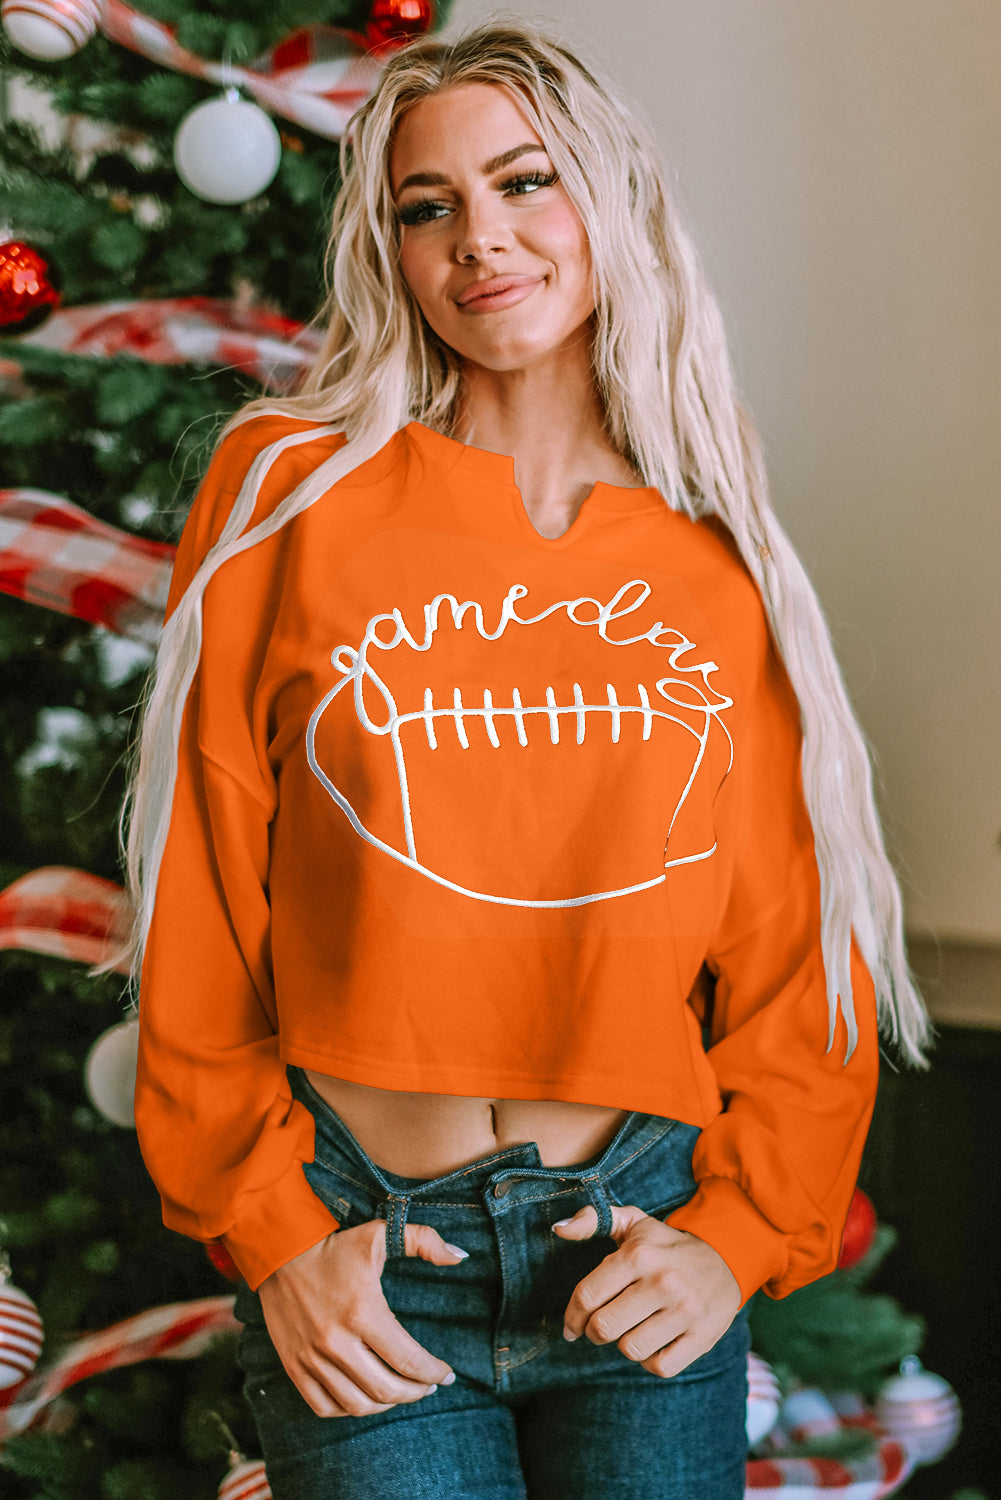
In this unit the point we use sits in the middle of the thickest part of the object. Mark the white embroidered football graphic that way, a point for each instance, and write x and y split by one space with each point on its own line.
393 772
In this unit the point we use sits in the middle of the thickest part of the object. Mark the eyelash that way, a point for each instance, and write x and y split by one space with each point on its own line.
413 212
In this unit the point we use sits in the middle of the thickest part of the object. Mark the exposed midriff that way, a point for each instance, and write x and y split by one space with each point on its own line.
427 1135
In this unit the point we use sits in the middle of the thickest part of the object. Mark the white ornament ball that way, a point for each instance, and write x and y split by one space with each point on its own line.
227 150
110 1072
921 1411
50 29
20 1335
245 1481
762 1398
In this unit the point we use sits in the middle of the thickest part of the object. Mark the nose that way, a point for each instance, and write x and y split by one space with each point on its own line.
482 232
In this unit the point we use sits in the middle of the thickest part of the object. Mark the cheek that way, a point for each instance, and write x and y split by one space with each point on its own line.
566 240
414 268
426 268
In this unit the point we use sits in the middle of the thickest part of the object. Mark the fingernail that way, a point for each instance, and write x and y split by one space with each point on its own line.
560 1223
454 1250
449 1378
431 1388
569 1335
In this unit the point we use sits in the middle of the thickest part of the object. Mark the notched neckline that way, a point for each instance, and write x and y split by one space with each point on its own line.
498 468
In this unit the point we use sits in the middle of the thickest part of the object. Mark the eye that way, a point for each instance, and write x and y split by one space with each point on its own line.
532 179
421 212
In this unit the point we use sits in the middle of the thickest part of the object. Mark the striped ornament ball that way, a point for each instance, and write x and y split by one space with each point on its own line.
50 29
245 1481
20 1334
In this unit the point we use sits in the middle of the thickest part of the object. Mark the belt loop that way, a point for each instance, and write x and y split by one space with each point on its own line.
602 1204
397 1209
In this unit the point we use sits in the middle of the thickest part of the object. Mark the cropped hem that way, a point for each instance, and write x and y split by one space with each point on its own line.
721 1213
584 1088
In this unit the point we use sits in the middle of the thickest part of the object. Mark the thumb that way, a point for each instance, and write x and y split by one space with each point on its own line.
423 1241
584 1222
581 1224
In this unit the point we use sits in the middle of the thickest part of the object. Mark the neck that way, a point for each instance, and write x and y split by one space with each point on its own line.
548 417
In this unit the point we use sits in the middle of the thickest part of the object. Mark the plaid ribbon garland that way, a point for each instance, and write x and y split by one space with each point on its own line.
56 554
184 330
317 76
63 911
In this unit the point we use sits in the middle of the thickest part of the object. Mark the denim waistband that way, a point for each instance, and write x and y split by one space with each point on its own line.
636 1133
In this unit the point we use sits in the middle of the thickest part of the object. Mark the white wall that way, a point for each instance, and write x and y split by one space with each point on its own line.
838 162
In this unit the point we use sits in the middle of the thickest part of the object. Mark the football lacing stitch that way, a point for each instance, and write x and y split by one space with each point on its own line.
459 712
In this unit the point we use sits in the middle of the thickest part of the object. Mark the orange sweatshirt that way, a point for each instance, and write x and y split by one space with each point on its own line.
462 809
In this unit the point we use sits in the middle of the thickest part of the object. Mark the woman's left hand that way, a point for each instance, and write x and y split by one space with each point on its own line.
664 1296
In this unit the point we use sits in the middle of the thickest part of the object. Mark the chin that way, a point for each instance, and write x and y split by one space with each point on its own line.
511 353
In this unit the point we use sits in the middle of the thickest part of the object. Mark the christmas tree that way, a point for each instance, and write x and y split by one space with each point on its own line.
136 316
142 301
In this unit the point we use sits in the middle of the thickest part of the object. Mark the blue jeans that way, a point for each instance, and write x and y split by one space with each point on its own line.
528 1414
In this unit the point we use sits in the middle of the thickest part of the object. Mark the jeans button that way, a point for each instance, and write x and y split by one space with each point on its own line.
503 1187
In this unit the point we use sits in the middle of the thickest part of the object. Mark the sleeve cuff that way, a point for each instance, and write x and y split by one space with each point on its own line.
721 1213
277 1225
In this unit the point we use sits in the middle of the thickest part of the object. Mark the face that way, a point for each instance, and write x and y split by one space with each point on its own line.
470 218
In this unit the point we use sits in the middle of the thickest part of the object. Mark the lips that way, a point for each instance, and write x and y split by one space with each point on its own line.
492 286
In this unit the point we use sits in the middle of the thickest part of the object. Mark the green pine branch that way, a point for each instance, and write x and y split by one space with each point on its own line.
834 1334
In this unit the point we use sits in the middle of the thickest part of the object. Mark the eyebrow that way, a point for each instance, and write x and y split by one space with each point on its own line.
438 179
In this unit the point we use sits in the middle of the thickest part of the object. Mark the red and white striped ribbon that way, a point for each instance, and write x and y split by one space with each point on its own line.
179 1330
63 911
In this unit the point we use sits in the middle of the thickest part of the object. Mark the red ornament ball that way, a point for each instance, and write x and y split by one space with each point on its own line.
222 1260
29 287
394 22
860 1231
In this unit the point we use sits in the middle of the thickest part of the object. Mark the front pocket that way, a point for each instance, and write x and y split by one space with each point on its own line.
658 1210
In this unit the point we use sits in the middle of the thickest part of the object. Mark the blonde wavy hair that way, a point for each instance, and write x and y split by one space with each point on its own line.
663 372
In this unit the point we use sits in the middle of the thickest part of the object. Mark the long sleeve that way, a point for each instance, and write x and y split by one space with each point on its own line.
220 1133
777 1168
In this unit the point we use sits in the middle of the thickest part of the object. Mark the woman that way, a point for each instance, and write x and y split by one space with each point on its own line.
497 767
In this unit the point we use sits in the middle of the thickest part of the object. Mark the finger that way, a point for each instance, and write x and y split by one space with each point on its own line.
605 1282
361 1383
639 1303
386 1336
677 1356
318 1393
315 1394
650 1335
584 1223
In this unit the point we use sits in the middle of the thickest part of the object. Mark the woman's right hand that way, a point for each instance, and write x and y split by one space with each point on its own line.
342 1347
